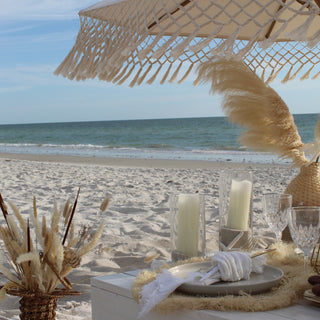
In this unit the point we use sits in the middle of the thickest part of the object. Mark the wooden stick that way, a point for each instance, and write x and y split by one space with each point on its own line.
28 236
3 208
70 220
5 214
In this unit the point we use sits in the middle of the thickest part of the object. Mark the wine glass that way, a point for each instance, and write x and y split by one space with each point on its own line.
304 226
276 207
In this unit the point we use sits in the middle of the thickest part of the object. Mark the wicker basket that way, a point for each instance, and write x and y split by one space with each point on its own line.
305 190
39 306
315 259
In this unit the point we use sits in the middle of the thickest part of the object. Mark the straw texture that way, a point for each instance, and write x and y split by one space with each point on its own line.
305 187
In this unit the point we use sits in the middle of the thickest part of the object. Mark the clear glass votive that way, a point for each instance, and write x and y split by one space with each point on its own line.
188 226
276 208
235 209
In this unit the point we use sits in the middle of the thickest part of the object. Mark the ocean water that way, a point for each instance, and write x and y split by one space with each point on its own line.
211 139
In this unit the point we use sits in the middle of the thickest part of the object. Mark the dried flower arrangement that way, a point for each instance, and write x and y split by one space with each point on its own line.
41 257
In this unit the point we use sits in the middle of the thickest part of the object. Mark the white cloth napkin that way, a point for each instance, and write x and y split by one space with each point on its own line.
226 266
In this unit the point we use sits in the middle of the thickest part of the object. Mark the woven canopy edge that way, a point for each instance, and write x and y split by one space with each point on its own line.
116 50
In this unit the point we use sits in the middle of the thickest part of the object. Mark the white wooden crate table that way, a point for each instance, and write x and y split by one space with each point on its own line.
112 300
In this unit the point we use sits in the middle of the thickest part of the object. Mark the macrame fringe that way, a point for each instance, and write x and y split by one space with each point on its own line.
226 47
273 75
287 76
175 74
151 80
113 74
140 80
316 76
314 40
204 43
180 48
307 74
127 75
299 33
296 73
186 74
164 47
143 53
242 52
133 82
114 47
121 74
268 42
166 74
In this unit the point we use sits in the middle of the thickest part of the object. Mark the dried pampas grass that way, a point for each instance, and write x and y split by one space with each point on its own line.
40 257
253 105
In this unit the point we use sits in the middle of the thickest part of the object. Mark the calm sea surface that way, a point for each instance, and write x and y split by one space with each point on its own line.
187 138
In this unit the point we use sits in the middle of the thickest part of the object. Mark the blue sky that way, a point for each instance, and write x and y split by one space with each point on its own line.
36 35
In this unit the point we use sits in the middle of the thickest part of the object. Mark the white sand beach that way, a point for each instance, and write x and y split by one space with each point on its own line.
137 221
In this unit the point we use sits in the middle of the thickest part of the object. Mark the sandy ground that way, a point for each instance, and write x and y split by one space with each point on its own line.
137 221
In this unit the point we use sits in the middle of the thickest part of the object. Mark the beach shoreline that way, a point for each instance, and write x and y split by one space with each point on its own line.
134 162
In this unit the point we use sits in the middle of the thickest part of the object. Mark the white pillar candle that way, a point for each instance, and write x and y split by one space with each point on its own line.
188 224
239 206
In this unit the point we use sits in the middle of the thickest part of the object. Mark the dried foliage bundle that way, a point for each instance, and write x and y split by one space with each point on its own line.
255 106
40 257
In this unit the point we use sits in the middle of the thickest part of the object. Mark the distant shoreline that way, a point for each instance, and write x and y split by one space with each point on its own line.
141 163
138 119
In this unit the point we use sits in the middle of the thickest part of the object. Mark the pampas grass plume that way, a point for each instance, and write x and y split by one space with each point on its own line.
255 106
104 204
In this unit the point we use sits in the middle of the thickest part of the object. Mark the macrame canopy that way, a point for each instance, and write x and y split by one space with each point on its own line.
144 40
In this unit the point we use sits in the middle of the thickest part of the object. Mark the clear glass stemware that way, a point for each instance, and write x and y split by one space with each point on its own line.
304 226
276 207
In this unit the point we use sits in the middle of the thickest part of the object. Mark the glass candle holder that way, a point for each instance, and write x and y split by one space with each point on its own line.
235 209
304 225
188 226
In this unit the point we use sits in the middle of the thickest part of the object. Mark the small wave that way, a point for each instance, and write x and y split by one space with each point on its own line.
89 150
158 146
43 145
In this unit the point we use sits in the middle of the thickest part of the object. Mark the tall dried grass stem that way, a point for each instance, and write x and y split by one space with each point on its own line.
71 217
